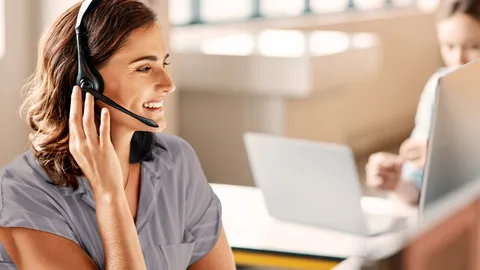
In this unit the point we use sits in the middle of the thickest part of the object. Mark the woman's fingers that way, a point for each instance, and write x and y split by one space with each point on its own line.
105 127
413 150
89 119
75 118
389 180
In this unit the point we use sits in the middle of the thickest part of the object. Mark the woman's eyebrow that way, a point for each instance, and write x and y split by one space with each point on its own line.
147 57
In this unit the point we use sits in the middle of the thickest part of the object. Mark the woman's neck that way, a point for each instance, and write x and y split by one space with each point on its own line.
121 139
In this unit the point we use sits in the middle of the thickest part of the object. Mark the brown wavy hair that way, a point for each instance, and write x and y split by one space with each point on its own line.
47 92
448 8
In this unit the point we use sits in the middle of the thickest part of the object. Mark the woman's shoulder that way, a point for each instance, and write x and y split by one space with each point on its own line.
175 146
29 200
174 152
440 72
431 86
24 173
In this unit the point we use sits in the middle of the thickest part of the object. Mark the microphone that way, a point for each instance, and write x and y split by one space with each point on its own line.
88 78
106 100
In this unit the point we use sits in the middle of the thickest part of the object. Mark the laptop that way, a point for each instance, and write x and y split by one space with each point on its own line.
453 155
314 183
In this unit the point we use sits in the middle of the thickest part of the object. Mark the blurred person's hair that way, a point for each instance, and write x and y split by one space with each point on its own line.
448 8
46 103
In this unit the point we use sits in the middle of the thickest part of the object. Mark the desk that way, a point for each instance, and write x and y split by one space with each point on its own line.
260 240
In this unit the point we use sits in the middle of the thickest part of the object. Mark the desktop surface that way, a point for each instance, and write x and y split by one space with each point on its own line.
250 230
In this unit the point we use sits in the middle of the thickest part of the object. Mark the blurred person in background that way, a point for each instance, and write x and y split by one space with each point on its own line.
458 32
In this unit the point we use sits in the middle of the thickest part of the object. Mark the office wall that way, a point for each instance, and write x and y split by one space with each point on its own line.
15 66
368 116
373 114
24 22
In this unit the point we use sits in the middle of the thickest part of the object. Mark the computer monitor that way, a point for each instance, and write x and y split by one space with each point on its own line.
453 157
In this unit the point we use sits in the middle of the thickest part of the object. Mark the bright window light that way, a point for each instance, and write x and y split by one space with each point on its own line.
222 10
369 4
363 40
402 3
274 8
328 42
427 5
325 6
179 11
237 44
282 43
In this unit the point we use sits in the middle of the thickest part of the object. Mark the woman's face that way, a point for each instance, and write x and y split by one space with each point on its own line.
136 78
459 37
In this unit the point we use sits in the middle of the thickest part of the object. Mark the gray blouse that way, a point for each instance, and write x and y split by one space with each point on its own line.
178 217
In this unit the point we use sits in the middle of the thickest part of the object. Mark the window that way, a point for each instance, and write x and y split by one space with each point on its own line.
368 4
323 6
180 11
402 3
276 8
272 43
221 10
185 12
427 5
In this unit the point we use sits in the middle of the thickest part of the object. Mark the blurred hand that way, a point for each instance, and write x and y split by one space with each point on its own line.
383 171
414 151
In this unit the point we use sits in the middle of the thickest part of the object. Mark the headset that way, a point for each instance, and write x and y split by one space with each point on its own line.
88 78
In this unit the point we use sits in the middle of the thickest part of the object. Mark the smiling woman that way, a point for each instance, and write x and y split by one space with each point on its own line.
113 192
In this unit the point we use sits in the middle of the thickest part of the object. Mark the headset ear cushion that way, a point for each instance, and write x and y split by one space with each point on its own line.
97 81
88 76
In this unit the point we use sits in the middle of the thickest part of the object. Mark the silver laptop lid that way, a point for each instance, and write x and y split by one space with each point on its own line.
453 158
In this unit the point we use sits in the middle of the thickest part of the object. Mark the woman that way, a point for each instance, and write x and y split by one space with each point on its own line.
99 189
458 31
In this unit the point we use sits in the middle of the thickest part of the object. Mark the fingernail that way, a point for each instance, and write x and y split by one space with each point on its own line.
75 89
104 111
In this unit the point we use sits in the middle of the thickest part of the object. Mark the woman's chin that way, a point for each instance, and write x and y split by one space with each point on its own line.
132 124
143 127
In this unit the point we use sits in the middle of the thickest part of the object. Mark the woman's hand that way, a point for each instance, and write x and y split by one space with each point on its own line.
93 150
384 171
414 151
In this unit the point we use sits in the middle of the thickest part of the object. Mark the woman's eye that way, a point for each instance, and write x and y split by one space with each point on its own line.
144 69
165 64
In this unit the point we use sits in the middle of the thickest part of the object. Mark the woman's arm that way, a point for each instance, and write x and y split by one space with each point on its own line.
412 175
34 249
220 257
97 158
118 233
408 192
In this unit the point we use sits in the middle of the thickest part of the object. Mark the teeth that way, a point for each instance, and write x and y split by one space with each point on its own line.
153 105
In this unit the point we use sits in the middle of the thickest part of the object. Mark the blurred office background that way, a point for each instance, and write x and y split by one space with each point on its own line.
354 79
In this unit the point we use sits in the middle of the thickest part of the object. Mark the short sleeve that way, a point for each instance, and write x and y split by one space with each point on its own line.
423 122
28 205
203 211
